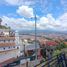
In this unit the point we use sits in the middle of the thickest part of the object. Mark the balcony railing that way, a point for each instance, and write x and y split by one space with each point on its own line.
56 61
2 49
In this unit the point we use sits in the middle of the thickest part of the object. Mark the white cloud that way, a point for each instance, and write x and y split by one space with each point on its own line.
59 24
44 23
25 11
19 2
19 23
62 20
12 2
47 22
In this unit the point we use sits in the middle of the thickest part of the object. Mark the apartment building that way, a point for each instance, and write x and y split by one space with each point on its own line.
9 49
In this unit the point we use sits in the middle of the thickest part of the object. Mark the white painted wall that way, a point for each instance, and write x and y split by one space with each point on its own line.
7 48
7 55
6 33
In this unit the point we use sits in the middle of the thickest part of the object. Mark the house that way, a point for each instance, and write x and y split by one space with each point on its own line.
8 47
29 46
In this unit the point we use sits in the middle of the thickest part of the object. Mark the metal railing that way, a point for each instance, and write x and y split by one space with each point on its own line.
56 61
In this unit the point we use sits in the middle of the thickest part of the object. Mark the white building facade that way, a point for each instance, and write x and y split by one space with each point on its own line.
9 48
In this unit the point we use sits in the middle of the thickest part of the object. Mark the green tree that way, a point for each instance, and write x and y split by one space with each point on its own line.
43 52
61 46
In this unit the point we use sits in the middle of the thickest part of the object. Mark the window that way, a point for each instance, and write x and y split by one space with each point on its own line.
4 40
4 48
9 47
7 41
13 46
17 47
11 40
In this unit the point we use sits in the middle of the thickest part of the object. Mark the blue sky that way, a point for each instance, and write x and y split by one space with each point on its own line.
41 6
17 14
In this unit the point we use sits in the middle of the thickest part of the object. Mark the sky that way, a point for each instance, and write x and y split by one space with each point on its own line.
20 14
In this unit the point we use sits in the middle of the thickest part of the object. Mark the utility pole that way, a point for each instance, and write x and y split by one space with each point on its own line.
24 50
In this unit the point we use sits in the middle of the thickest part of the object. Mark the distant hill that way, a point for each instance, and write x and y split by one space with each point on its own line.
41 31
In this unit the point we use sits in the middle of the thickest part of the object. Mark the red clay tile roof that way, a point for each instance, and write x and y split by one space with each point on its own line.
7 38
65 43
51 43
7 44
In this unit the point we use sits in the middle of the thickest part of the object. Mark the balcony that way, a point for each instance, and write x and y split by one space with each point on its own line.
8 48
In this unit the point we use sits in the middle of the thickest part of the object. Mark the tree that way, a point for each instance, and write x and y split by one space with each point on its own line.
61 46
43 52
